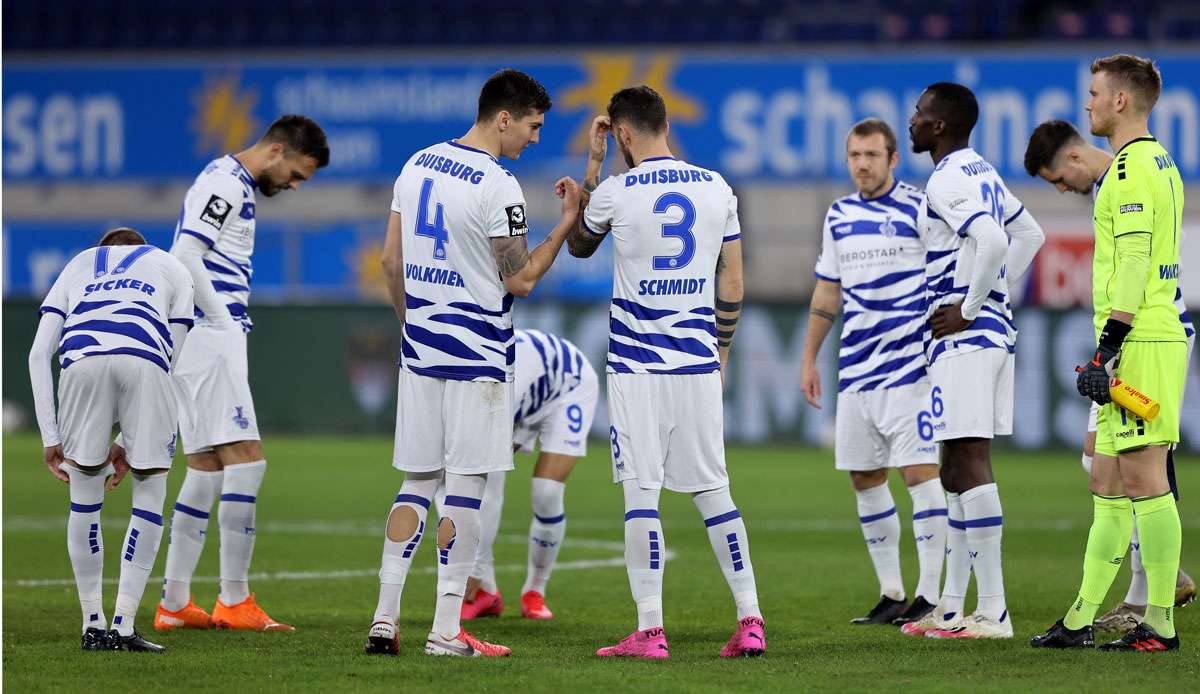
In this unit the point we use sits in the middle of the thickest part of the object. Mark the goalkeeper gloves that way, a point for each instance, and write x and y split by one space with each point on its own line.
1095 378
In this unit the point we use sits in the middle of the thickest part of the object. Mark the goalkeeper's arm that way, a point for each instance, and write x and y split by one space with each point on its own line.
1129 284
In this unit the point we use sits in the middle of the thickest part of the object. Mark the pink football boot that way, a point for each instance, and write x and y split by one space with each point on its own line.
748 640
651 644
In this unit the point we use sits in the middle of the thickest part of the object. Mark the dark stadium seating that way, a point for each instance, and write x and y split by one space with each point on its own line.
90 25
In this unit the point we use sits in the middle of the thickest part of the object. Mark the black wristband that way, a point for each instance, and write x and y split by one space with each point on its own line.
1114 334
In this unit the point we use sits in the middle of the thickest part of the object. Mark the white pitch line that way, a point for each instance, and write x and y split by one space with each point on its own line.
576 565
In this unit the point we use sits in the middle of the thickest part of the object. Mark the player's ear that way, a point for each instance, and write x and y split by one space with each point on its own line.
666 128
894 160
503 120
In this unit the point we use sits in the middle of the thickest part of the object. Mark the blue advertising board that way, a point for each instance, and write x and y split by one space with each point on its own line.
755 117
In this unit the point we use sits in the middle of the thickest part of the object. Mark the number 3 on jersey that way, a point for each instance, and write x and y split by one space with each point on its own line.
681 230
437 230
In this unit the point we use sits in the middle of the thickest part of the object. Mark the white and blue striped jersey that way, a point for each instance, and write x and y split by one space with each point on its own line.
219 210
668 220
1189 329
120 300
872 248
453 200
963 188
547 368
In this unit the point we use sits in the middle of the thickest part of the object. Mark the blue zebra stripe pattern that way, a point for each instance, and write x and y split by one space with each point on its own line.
547 368
120 300
219 210
872 249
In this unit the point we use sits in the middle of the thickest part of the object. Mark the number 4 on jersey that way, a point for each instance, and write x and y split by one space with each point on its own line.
437 230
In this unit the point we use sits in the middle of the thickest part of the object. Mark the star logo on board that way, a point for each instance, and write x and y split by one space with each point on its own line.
608 72
224 117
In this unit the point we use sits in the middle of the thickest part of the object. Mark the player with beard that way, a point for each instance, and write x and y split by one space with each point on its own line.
214 239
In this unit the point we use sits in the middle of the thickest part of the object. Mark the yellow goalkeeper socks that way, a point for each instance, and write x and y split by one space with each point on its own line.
1112 526
1161 537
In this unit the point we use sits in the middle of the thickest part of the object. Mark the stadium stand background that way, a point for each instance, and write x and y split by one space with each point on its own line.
111 107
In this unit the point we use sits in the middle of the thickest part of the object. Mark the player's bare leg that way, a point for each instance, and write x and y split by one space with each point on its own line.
244 468
546 530
881 530
189 528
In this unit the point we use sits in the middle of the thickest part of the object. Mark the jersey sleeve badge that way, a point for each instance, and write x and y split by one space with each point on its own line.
215 212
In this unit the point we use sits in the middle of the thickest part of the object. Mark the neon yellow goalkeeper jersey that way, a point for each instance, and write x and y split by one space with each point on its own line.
1140 192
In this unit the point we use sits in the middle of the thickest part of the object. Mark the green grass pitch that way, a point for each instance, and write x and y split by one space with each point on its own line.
321 515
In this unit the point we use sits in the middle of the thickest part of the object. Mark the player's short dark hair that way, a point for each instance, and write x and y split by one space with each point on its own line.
513 91
1046 142
955 105
870 126
122 236
1139 76
300 134
640 107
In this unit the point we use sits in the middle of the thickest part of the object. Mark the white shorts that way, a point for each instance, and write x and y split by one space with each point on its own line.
886 428
563 426
668 431
464 427
977 390
96 391
214 378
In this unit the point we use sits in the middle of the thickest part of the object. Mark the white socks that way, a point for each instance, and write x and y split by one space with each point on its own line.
415 494
645 553
727 535
929 530
140 548
881 530
85 543
984 526
958 561
236 518
546 532
1138 590
489 525
189 525
457 534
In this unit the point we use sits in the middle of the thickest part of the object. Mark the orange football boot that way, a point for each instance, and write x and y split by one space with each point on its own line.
245 616
190 616
533 606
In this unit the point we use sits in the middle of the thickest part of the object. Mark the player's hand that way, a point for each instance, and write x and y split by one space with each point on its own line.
1094 379
116 458
569 192
598 138
810 383
54 458
947 320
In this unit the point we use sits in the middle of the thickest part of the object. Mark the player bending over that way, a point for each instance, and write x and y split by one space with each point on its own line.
978 239
214 240
458 217
873 263
117 316
1061 157
1135 268
677 255
557 390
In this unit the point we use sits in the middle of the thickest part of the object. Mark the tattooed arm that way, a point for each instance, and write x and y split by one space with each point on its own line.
823 310
729 297
520 268
583 242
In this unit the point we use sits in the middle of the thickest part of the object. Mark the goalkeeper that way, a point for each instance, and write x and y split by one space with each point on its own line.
1135 268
